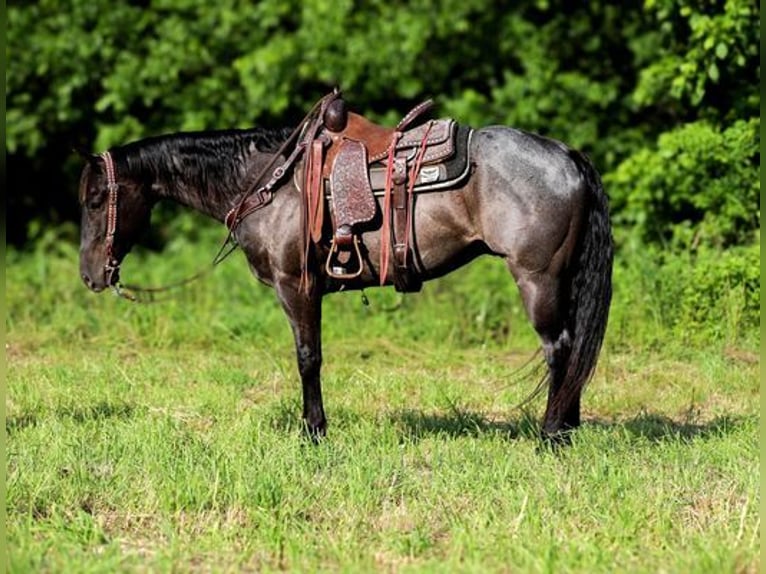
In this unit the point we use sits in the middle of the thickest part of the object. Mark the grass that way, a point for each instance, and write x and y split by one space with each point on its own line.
167 437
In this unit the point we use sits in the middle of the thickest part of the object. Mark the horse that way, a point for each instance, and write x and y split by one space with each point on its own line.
531 200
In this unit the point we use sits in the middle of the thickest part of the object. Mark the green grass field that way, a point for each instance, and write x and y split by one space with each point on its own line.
167 437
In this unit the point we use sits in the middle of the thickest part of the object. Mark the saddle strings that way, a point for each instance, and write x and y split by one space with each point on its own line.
414 173
385 230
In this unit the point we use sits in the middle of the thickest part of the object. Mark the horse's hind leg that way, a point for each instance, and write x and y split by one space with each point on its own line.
542 296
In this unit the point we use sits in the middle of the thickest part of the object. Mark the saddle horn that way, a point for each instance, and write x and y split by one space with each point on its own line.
336 115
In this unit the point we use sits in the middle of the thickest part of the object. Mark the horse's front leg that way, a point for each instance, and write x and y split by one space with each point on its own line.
305 315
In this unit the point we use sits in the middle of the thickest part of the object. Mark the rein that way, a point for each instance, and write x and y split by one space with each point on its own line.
264 194
245 206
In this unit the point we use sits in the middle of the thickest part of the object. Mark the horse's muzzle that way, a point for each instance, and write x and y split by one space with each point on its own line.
91 284
109 277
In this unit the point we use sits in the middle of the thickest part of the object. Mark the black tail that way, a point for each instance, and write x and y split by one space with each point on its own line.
590 287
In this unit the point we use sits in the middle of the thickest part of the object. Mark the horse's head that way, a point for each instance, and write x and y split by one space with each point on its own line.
115 207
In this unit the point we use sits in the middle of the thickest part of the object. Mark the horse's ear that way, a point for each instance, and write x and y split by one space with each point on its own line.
85 154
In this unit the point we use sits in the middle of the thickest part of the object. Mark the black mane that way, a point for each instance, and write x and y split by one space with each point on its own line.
209 163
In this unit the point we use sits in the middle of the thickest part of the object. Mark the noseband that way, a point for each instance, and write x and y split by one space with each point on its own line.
112 265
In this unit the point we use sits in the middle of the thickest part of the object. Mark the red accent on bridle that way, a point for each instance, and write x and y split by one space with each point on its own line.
112 265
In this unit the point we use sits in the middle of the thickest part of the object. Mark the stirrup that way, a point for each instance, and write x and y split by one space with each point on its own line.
338 270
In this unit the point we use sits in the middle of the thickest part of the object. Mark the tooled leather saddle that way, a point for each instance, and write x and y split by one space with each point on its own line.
352 158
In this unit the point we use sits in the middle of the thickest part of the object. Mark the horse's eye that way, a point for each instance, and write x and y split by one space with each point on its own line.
95 199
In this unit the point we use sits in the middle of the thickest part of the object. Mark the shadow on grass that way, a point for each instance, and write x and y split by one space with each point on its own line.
656 428
458 422
79 414
660 428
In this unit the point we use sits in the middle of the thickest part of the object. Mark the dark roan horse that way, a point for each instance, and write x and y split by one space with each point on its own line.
530 200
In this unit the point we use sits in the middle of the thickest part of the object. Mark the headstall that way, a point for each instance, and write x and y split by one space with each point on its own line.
112 265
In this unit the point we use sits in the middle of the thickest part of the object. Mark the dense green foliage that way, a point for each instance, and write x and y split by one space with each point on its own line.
607 78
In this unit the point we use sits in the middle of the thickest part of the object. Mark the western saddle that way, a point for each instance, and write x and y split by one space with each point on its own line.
344 160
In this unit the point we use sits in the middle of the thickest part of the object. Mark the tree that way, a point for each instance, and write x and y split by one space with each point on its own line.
609 78
698 181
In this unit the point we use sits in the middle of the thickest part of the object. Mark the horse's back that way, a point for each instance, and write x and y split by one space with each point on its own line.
536 167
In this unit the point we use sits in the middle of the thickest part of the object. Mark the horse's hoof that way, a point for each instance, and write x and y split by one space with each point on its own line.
553 441
316 433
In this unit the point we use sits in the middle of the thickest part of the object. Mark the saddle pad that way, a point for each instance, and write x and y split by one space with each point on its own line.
440 142
447 172
352 198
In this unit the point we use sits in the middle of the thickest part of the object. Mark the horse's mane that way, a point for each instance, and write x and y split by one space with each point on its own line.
210 162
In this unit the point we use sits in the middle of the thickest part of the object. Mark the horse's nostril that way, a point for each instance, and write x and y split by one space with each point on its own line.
94 286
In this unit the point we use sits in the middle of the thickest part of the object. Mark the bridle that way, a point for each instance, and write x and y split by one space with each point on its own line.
112 264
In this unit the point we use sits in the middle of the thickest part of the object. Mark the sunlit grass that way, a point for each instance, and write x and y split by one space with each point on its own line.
168 438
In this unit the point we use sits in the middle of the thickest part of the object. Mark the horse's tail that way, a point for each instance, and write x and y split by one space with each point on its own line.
590 286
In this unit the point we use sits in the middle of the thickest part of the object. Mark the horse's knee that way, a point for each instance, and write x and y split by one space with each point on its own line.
309 362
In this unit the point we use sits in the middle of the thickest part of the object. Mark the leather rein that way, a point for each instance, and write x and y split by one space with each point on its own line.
253 199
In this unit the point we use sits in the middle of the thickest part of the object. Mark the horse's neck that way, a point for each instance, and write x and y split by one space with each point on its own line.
215 192
195 197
